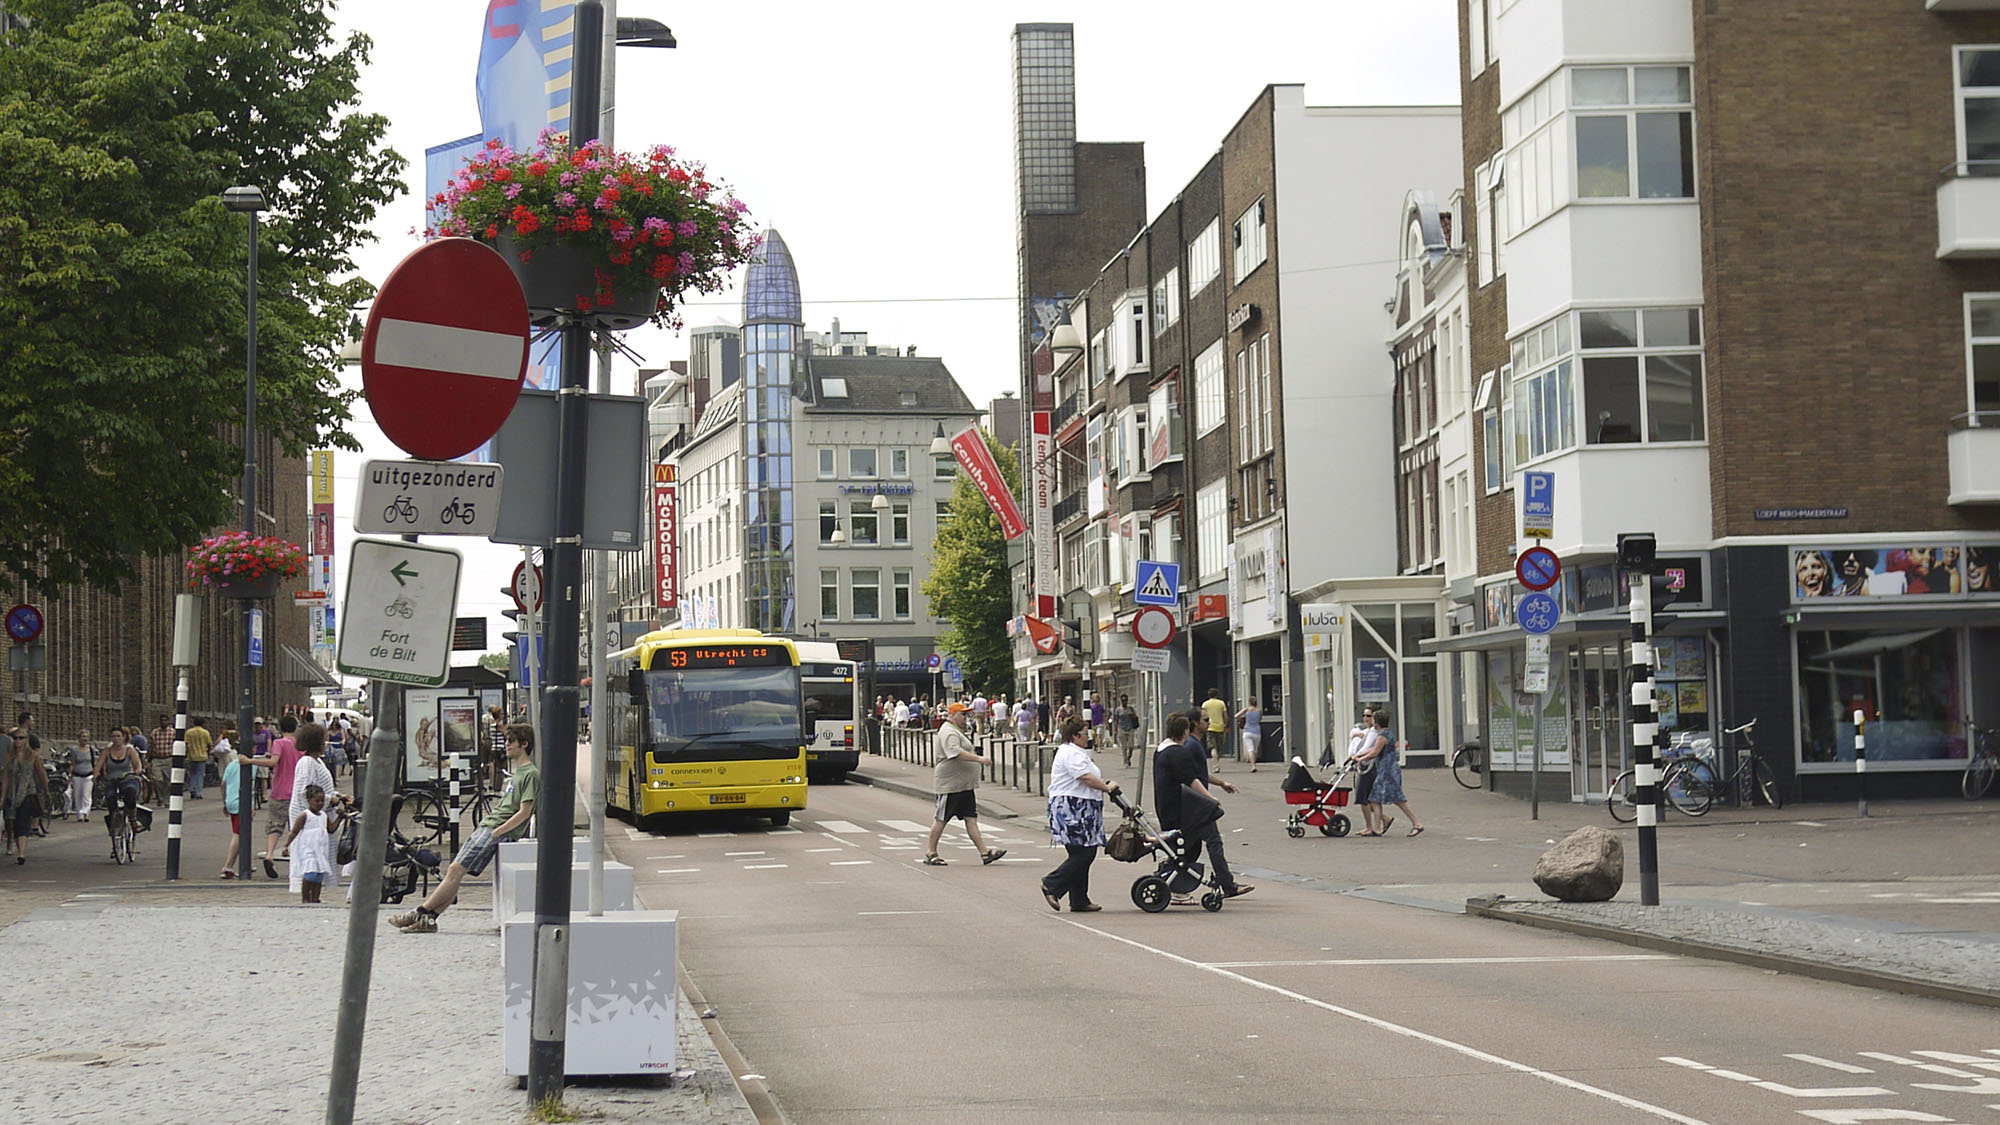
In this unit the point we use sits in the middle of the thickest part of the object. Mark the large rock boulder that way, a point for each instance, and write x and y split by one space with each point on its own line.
1588 866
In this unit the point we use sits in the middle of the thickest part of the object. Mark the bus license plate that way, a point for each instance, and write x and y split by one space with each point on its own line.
725 798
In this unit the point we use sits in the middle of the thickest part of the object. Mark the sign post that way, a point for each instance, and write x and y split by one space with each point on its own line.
1537 614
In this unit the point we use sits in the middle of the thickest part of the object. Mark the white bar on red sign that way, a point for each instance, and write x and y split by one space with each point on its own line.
444 347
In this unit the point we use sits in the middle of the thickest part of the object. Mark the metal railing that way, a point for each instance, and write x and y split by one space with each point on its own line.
1067 506
1017 763
1065 410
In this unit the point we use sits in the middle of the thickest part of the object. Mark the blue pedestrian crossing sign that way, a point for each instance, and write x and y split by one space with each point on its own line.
1157 583
1537 613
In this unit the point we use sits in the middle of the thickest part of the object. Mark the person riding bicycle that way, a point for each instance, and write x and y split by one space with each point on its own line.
120 768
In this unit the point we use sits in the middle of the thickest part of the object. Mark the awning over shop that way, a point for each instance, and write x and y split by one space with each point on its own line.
298 667
1876 616
1595 626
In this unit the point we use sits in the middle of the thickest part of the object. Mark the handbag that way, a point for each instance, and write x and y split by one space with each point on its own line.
1126 843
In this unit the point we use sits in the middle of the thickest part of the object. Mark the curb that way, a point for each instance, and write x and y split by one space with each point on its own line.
987 810
1797 966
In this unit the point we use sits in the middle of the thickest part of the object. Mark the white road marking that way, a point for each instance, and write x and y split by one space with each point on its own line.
666 857
849 862
788 831
845 827
1444 961
840 840
763 866
886 913
734 854
1844 1068
1962 1060
1779 1087
1398 1029
713 835
444 347
909 826
816 851
1872 1113
677 870
1809 824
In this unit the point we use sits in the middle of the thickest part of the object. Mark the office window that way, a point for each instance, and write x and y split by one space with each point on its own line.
1253 400
1484 237
829 594
944 468
1136 338
1261 384
829 519
826 464
860 522
899 523
899 463
1210 389
1205 257
1100 358
943 513
900 594
1982 357
866 591
1247 242
1211 513
1167 301
1644 150
1978 72
861 463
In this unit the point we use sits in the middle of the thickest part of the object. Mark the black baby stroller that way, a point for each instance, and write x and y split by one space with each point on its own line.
1318 803
1136 840
405 867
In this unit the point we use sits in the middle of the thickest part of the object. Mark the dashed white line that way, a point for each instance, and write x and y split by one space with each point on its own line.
734 854
909 826
887 913
849 862
713 835
845 827
677 870
816 851
763 866
1844 1068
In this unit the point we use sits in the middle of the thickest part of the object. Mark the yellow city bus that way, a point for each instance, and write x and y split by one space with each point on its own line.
706 720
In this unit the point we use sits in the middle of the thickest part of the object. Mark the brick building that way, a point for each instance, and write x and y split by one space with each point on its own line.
1721 290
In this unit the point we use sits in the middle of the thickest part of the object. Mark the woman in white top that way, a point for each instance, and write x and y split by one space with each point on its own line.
1076 818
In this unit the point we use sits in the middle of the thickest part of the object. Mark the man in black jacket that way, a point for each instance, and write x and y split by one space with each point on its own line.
1183 761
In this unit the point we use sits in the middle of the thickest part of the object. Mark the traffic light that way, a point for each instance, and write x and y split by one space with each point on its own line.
1072 637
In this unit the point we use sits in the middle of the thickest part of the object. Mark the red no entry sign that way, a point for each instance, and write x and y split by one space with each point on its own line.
1538 568
445 347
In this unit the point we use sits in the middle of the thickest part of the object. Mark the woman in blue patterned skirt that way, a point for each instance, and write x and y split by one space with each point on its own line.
1387 787
1076 819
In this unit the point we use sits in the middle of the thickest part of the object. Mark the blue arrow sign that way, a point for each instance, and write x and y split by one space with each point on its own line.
1537 613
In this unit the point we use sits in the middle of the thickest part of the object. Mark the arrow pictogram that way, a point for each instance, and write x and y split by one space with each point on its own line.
401 572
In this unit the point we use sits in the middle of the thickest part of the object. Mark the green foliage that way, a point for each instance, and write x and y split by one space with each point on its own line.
968 584
122 277
496 662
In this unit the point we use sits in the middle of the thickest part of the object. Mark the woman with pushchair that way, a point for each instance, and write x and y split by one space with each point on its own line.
1076 818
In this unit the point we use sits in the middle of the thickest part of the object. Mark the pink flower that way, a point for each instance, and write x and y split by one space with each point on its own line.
687 228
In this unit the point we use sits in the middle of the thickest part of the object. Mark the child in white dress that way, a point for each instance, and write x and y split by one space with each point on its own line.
311 844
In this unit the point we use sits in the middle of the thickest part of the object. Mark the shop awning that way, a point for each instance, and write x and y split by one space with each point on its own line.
1876 643
1594 626
1874 616
298 667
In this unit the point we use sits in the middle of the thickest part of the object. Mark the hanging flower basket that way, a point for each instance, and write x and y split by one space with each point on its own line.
238 565
613 238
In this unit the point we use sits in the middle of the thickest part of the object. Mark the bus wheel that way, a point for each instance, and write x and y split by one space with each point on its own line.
781 818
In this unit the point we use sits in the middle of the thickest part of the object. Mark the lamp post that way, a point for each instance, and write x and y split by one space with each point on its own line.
249 200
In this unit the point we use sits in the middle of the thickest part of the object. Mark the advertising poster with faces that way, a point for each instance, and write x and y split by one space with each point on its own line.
1923 569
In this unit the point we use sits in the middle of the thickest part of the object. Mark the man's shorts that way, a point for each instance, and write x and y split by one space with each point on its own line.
962 805
1214 741
478 851
277 816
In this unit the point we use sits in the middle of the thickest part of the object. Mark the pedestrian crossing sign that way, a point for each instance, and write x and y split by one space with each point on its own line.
1157 583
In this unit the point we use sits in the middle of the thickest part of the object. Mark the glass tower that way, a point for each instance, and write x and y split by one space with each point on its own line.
773 364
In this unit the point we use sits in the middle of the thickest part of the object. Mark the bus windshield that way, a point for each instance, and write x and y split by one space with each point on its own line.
830 702
723 714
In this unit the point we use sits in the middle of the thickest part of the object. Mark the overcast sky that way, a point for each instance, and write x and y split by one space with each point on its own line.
878 138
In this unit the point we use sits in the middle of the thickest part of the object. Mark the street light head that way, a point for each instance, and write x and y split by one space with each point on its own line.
1065 340
940 445
637 31
880 503
838 538
249 199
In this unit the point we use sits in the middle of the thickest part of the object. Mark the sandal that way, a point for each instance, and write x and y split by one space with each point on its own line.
1385 826
933 861
1417 831
228 875
989 857
1367 833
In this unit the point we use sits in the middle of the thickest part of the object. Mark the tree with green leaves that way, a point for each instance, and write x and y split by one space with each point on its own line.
968 584
122 277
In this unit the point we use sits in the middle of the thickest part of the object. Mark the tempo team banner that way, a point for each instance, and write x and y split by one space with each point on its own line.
666 572
977 461
1041 486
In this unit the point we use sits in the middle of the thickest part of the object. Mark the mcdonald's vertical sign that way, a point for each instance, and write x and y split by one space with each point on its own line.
666 571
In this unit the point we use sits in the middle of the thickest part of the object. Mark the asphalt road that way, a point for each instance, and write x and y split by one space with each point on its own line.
860 985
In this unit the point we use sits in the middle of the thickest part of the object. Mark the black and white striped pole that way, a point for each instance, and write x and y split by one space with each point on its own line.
1636 554
1861 761
186 649
454 772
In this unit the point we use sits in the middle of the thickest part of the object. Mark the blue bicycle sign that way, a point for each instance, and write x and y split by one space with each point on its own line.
1537 613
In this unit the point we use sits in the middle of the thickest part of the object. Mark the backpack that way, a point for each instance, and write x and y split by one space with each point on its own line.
347 841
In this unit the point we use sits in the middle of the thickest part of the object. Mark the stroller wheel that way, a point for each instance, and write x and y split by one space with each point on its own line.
1150 893
1295 831
1336 825
1212 901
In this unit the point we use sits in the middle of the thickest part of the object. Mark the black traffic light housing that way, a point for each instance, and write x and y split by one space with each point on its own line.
1072 635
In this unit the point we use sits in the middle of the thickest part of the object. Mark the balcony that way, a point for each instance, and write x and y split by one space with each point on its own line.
1968 206
1974 452
1073 503
1065 410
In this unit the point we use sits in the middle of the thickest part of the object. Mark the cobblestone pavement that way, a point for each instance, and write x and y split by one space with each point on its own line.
125 1012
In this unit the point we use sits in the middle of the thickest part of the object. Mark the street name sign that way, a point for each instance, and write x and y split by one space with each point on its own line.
397 617
1538 505
428 498
445 348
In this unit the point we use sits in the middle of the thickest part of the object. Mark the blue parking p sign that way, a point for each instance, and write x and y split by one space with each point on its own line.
1538 505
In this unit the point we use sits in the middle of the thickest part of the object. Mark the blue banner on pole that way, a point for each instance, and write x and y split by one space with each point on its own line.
523 80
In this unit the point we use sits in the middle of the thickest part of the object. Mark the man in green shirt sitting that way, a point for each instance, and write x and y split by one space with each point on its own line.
507 821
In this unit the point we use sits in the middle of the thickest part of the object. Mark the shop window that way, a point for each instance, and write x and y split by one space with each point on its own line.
1908 684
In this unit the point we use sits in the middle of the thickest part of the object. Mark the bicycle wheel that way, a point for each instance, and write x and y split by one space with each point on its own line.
1624 801
1690 786
421 818
1765 783
1978 776
1467 769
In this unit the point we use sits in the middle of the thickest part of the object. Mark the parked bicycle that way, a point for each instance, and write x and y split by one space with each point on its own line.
1981 760
422 814
1468 765
1750 779
1681 791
